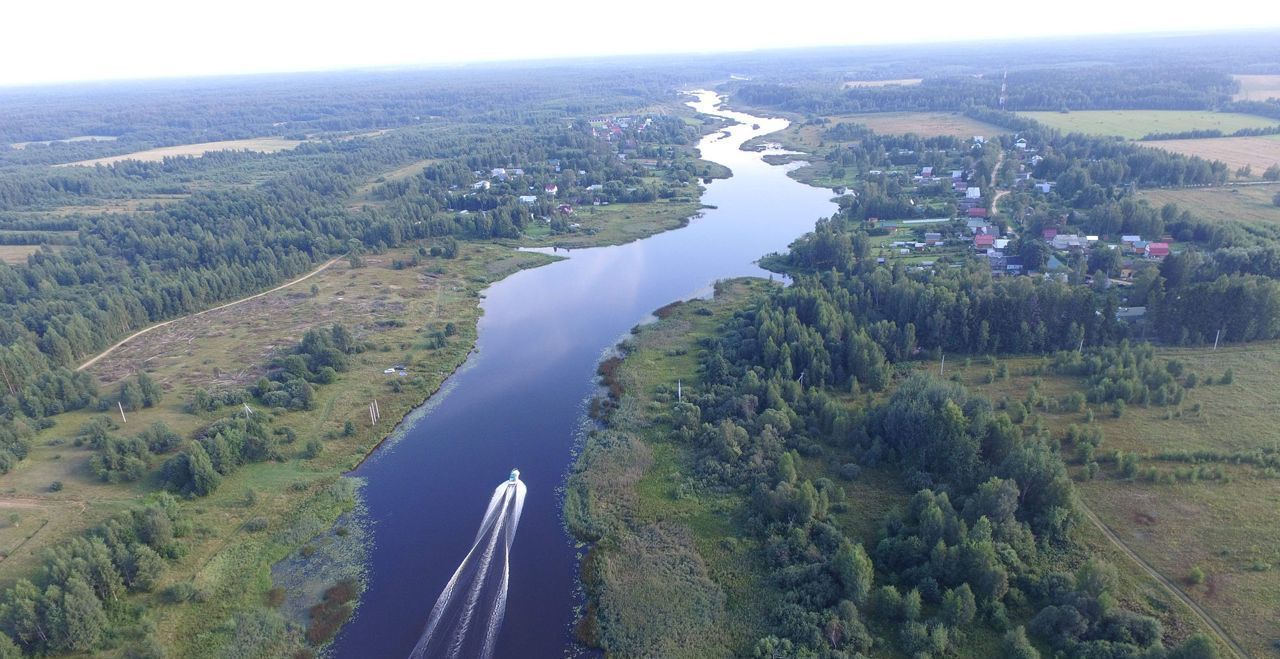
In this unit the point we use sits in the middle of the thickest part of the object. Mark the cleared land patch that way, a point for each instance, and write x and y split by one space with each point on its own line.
924 124
262 144
396 174
80 138
1257 87
17 254
1243 203
1258 152
1134 124
900 82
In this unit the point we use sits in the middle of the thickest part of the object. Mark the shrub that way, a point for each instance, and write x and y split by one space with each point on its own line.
182 591
1196 576
55 486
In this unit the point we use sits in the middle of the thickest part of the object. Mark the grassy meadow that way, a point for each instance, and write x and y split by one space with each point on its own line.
1134 124
900 82
637 478
262 144
1215 514
1258 152
1250 204
1258 87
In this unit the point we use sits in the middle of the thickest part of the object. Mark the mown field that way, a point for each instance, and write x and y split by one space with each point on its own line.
1216 515
1242 203
1133 124
1258 153
17 254
262 144
1258 87
900 82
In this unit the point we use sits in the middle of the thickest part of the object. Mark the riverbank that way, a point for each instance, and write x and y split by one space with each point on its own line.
553 323
408 307
668 572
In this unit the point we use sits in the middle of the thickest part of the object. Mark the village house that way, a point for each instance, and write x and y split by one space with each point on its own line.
984 241
973 193
978 226
551 189
1069 242
528 199
1157 250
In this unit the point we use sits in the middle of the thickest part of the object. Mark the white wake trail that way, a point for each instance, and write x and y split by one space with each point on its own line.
476 595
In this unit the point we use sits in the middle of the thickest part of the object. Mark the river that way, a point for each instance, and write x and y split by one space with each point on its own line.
521 398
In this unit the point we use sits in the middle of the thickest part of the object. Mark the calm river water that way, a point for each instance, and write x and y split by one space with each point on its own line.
520 399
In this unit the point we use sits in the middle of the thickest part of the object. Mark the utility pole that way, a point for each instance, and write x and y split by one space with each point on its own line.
1215 339
679 392
942 368
122 417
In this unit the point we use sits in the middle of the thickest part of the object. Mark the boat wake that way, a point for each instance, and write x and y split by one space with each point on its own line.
476 597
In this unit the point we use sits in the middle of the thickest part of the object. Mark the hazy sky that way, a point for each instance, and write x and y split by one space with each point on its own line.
61 40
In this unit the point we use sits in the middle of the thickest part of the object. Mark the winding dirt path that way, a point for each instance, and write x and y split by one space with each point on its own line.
1173 588
144 330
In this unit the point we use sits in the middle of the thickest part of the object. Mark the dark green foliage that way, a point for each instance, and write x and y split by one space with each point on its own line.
191 472
218 451
159 439
121 459
66 608
1016 645
1199 646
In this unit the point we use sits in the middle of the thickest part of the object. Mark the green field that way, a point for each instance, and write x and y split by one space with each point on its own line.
1225 527
1134 124
635 493
1251 204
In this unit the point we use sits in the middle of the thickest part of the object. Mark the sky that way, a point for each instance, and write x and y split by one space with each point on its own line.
47 41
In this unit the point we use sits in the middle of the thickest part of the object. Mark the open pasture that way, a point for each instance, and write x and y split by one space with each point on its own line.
1134 124
261 144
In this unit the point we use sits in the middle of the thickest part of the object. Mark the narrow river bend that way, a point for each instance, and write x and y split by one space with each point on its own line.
519 401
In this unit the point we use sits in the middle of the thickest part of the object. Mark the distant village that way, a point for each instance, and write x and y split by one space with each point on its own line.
629 158
973 228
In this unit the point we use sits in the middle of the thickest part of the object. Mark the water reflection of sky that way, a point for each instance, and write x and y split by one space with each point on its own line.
519 401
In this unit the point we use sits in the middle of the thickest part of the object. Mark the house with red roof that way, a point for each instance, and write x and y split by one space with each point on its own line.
984 241
1157 250
977 212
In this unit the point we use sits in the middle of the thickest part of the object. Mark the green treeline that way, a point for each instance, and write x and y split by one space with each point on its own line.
247 221
77 599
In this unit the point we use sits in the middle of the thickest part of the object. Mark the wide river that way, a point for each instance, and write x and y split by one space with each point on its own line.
520 400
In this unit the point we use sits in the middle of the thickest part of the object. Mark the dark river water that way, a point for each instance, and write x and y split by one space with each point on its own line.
520 399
